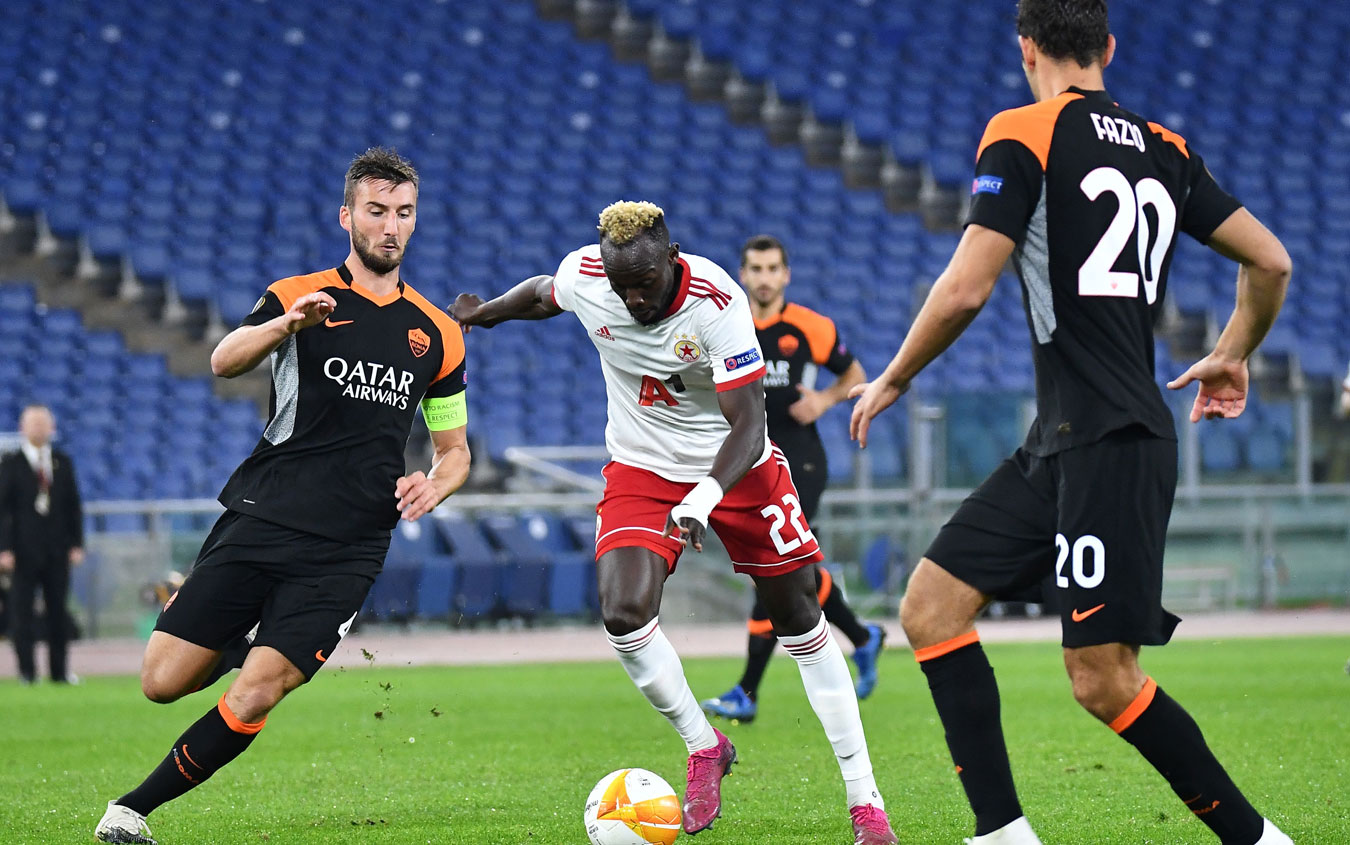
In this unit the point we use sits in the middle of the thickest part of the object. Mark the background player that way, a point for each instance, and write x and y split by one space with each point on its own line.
1087 199
796 342
686 435
309 513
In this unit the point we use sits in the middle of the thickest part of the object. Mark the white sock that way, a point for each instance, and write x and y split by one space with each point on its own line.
650 660
829 688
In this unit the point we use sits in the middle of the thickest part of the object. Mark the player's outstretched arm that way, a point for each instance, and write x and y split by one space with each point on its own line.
1264 269
532 299
419 493
957 296
743 407
244 348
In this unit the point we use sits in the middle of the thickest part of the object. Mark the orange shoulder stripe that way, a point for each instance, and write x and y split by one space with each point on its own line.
1032 126
451 336
1170 137
821 334
290 289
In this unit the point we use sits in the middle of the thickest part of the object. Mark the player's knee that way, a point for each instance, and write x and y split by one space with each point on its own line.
798 619
160 686
919 619
252 702
624 616
1103 691
1092 690
1105 678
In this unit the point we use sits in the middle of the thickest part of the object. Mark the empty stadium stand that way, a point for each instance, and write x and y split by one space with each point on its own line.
200 147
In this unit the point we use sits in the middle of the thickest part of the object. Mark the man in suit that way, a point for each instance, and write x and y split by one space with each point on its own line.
41 538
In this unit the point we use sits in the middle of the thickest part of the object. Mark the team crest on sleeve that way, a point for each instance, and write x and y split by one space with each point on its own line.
687 349
419 342
788 344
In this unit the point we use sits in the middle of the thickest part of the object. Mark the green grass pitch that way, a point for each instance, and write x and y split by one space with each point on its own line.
508 754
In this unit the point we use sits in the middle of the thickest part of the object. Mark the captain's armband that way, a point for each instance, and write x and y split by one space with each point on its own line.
444 413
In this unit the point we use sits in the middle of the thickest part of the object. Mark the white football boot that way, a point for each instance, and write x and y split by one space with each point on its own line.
1016 832
123 825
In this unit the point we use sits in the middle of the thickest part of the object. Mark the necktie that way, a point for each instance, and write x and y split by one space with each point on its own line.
43 502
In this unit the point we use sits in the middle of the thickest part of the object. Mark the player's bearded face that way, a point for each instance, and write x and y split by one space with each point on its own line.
764 275
380 256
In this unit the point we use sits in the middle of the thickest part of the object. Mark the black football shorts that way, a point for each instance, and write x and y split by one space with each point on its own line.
1094 517
302 590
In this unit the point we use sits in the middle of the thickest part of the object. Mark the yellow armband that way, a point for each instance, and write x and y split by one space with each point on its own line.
443 413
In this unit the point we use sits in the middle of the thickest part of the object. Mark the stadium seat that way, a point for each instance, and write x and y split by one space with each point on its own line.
394 593
476 595
527 565
92 152
1220 449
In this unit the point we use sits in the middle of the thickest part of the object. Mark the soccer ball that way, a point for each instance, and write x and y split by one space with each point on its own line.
632 807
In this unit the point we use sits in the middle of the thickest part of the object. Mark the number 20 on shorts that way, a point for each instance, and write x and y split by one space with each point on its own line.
1081 549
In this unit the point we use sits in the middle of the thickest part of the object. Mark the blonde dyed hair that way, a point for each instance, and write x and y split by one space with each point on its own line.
623 221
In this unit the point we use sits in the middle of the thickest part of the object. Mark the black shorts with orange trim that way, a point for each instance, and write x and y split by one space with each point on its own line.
1093 517
303 591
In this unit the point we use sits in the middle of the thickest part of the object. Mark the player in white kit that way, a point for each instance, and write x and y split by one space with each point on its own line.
689 448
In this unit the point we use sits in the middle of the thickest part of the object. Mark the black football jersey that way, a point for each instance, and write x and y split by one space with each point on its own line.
1094 196
344 392
796 343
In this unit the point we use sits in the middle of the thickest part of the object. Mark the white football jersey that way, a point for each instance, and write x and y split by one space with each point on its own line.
662 380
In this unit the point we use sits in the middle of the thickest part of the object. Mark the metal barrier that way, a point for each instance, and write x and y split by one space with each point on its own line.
1257 545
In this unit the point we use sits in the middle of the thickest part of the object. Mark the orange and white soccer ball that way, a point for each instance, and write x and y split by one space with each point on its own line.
632 807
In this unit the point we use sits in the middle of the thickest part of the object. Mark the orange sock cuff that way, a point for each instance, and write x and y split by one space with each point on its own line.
760 628
934 651
826 583
1137 707
235 723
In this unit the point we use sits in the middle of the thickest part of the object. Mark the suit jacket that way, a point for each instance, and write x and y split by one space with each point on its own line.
24 531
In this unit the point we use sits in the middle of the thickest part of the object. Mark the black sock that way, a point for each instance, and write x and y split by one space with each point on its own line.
758 652
1172 743
963 687
212 741
841 616
231 658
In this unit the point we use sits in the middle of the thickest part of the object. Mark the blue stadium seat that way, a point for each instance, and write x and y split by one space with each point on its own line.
477 594
92 152
396 593
1266 450
1220 450
526 568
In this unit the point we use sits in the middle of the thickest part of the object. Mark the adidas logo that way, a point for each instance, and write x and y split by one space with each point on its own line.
603 331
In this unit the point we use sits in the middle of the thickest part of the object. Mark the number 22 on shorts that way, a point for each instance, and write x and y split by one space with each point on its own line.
780 519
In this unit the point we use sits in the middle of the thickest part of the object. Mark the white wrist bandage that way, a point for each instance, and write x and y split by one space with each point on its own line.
699 502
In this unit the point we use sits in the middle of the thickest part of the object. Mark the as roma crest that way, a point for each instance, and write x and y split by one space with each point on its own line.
787 344
418 342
